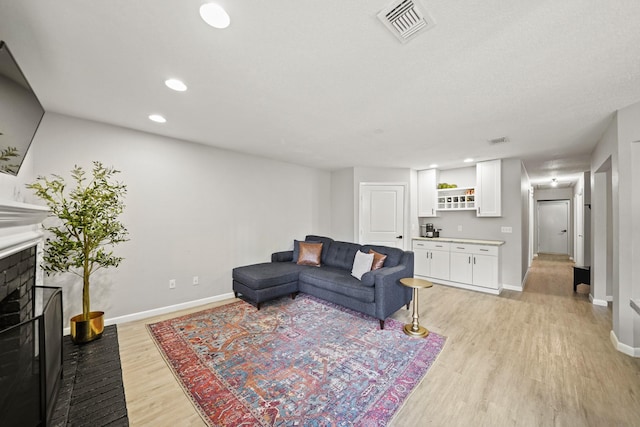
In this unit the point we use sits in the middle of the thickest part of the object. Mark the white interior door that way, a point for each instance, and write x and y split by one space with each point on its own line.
382 215
553 226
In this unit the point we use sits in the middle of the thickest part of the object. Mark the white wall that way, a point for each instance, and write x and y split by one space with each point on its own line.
604 212
490 228
587 217
342 205
525 232
192 210
615 182
629 221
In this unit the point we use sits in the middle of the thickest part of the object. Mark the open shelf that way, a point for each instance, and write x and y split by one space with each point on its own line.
456 199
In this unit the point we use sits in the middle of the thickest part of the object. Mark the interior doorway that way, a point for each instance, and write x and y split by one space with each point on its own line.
553 226
602 236
382 214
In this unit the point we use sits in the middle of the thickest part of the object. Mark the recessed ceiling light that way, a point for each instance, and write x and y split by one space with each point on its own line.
214 15
157 118
469 160
176 84
433 165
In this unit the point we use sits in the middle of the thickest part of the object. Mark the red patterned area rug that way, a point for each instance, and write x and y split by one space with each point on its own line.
293 362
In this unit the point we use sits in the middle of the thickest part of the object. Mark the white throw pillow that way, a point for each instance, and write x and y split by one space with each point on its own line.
361 264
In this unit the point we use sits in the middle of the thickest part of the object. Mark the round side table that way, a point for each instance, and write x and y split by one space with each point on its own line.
414 329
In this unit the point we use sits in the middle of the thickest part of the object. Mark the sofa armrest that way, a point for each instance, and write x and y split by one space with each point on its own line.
390 295
285 256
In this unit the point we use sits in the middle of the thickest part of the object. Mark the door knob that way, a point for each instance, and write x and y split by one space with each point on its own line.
563 231
399 237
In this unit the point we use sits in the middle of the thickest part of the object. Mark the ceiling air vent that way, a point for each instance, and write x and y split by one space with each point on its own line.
405 19
500 140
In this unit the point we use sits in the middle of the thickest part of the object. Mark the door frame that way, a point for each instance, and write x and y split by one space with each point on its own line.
566 202
406 244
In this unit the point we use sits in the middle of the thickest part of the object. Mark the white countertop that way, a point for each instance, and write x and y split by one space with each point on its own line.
635 304
455 240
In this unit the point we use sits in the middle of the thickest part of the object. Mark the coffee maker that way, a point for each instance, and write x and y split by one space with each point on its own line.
428 230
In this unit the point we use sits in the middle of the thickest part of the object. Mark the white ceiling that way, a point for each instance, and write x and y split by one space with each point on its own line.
325 84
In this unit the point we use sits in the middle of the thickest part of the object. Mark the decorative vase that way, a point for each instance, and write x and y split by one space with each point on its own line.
84 331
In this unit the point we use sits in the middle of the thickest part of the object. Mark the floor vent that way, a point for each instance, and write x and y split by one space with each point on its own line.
405 19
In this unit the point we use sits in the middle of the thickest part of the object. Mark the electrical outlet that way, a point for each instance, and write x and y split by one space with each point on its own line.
459 228
172 284
196 281
506 229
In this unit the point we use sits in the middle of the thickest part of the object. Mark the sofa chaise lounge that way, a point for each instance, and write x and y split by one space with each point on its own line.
377 293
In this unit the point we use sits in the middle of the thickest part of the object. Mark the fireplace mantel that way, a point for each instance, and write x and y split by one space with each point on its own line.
20 226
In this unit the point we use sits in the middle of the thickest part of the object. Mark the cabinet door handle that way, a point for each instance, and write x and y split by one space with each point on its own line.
474 260
459 247
399 237
469 260
431 254
484 250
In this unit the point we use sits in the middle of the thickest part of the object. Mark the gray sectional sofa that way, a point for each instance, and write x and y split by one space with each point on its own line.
378 293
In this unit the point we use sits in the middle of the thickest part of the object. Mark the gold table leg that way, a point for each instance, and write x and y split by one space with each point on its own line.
414 329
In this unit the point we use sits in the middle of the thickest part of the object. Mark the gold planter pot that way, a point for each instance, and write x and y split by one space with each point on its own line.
84 331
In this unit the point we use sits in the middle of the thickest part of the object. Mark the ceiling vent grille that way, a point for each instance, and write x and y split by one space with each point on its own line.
405 19
500 140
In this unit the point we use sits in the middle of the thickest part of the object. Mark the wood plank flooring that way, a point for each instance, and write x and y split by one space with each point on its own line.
542 357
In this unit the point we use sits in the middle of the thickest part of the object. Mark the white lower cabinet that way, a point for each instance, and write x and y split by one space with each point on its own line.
475 265
485 271
431 259
461 267
472 266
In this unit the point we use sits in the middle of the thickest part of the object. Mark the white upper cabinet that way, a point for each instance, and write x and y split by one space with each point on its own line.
427 192
489 188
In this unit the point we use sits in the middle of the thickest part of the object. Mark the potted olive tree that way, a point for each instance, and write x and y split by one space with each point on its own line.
82 240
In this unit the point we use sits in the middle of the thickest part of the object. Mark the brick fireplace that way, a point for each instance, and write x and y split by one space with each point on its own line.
30 320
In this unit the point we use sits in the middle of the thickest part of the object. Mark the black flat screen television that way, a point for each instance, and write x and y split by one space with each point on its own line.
20 113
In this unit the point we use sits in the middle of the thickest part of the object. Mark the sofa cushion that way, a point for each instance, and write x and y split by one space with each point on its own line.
361 264
326 242
341 255
378 259
261 276
296 249
339 281
310 254
394 255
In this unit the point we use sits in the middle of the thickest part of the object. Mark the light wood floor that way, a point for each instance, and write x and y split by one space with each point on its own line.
542 357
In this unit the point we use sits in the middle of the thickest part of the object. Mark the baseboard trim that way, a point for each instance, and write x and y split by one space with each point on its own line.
623 348
513 287
161 310
461 285
600 302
